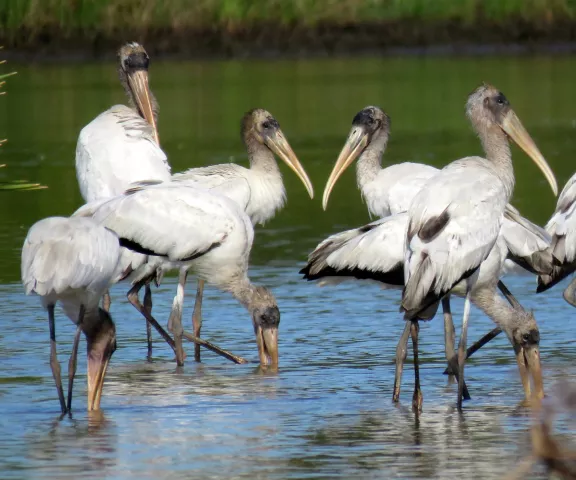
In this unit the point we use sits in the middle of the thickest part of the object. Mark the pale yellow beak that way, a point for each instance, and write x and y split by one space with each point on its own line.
528 359
267 340
280 146
355 143
97 366
516 131
138 82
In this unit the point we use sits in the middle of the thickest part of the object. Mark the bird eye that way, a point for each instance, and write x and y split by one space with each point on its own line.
526 337
266 125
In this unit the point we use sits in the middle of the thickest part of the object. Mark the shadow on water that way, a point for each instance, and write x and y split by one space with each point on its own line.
327 412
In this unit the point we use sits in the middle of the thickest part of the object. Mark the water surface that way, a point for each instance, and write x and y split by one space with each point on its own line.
327 413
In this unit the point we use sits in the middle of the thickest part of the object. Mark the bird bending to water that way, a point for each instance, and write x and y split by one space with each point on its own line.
187 228
455 219
562 227
376 252
258 190
72 261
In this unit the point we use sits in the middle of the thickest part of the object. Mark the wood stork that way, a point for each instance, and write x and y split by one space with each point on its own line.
562 227
455 219
187 228
390 190
258 190
376 252
72 261
121 145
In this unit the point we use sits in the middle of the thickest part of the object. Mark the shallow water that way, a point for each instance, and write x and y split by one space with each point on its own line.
327 412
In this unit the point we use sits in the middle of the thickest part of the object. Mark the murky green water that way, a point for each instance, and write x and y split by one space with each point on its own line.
327 413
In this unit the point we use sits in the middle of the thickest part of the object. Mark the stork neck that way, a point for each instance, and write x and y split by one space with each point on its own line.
242 290
369 164
262 159
498 309
497 149
132 98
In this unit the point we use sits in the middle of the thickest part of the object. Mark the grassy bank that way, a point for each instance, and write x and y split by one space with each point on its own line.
227 26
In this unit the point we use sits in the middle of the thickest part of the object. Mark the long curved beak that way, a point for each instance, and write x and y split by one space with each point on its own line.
516 131
528 359
99 355
280 146
355 143
138 82
267 340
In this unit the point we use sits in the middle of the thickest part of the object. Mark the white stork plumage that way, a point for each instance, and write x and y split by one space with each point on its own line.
258 190
562 228
187 228
376 252
455 219
120 147
390 191
72 261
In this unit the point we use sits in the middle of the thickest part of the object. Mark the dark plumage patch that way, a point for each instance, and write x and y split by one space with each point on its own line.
433 227
136 247
539 263
199 254
393 277
558 274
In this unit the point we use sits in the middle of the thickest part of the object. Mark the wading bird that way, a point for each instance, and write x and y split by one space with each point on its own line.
121 146
376 252
72 261
258 190
562 227
455 219
186 228
390 191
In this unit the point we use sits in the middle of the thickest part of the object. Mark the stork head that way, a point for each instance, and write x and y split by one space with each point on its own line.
260 129
133 72
266 320
371 126
488 109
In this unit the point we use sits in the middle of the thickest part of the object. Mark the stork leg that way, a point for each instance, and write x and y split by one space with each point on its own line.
197 317
462 345
148 307
175 319
106 301
401 351
417 398
135 301
74 356
570 293
54 365
449 337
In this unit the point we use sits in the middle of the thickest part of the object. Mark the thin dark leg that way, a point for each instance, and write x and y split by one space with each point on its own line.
197 317
401 350
473 349
417 398
148 307
462 347
106 301
449 336
135 301
74 356
54 359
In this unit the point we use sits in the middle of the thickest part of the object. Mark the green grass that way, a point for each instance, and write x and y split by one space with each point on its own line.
108 17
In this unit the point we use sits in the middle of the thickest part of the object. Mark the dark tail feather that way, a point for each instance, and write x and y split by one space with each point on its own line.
558 274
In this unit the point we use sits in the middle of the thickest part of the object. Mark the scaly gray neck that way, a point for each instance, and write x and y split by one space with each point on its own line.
242 290
497 308
132 99
261 158
497 148
370 162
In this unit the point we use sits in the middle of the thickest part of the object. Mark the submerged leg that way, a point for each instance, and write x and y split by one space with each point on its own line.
449 337
197 317
417 398
401 350
175 319
135 301
462 345
106 301
54 358
74 356
148 307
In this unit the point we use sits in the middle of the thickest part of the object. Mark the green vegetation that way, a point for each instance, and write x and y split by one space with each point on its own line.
23 21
